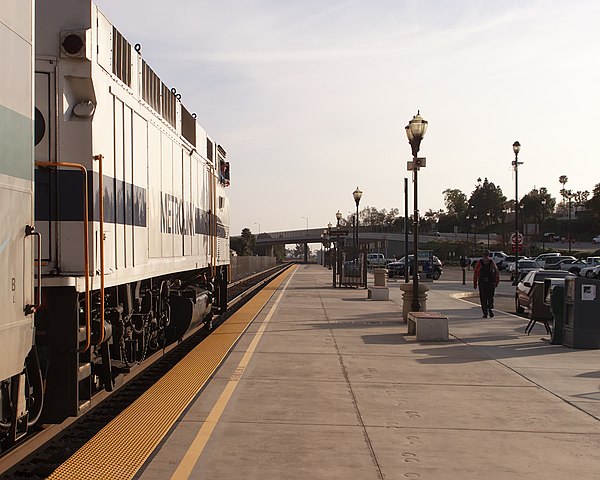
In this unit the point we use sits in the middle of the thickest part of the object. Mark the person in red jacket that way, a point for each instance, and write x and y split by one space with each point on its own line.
487 277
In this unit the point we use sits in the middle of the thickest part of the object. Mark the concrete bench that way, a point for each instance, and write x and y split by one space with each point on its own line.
428 326
378 293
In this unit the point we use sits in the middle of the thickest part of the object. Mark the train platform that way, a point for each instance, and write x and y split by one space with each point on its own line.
326 384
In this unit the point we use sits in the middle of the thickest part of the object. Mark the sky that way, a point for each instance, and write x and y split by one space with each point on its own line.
310 99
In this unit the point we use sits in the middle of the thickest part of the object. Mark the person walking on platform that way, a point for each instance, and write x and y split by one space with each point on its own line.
487 277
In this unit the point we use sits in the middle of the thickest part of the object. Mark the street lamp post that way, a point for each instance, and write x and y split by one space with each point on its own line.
415 131
542 229
570 196
475 234
516 243
336 248
503 228
406 273
357 194
488 215
329 245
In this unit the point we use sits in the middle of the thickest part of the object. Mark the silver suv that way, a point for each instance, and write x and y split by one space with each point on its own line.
376 260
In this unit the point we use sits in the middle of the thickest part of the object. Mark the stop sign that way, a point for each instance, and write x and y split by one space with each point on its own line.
516 238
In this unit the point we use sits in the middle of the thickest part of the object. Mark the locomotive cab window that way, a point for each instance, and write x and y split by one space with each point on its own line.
224 172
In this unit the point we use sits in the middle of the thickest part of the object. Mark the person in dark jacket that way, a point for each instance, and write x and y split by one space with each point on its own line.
487 277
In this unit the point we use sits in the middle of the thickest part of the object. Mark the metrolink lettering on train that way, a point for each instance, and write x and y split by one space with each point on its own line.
176 216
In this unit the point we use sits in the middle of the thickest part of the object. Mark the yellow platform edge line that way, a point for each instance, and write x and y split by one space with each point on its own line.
120 449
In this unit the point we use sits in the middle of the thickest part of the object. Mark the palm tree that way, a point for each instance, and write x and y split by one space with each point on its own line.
563 179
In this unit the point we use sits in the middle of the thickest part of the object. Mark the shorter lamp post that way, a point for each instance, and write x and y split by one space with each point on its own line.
323 246
475 235
336 248
357 194
329 245
488 228
503 228
570 197
543 229
406 272
415 131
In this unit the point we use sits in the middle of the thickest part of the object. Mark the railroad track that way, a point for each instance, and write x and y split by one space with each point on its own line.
46 449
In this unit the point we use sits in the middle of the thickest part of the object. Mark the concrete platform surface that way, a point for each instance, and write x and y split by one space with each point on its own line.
336 389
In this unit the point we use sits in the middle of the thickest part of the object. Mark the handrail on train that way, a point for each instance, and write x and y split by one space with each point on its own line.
100 158
86 253
31 231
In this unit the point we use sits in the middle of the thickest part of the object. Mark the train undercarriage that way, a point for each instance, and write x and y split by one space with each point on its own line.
76 354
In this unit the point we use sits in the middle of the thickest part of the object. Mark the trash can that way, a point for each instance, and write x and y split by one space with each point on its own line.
582 313
557 306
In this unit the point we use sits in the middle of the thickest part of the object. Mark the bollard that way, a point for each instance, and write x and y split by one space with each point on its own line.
407 295
464 276
380 275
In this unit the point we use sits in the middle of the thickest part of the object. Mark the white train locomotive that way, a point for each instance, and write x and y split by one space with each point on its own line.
131 204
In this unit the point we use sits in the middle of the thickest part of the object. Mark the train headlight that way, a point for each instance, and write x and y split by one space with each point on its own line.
84 109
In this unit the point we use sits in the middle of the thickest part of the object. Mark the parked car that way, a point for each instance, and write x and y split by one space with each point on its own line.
551 237
596 239
525 266
550 261
507 261
572 265
590 272
592 260
396 269
541 258
497 257
376 260
524 291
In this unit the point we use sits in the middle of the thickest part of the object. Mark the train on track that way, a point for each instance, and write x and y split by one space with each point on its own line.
114 237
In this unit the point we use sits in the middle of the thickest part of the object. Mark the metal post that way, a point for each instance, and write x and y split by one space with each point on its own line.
516 243
334 263
416 304
569 224
415 130
406 275
543 230
356 249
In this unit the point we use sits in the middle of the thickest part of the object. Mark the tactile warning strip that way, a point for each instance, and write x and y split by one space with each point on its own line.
120 449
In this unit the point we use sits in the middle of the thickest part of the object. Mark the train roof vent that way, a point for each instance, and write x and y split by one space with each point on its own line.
73 44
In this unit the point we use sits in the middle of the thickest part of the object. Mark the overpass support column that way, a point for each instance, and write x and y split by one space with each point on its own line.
306 253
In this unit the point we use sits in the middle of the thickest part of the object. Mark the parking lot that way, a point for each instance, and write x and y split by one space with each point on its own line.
504 298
